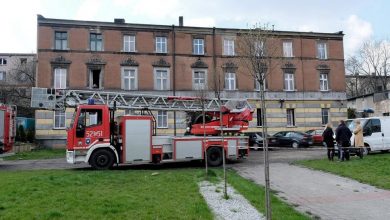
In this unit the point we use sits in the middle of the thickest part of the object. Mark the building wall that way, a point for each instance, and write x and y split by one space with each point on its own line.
307 99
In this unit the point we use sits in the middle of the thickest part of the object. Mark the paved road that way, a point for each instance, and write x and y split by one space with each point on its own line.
322 195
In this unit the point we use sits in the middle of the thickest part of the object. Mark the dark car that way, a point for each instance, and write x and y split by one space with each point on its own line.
317 135
255 139
293 139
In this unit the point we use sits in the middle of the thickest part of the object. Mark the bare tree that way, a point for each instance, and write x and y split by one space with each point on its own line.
370 68
257 53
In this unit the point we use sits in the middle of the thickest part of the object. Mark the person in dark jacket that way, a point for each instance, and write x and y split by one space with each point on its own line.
329 140
343 137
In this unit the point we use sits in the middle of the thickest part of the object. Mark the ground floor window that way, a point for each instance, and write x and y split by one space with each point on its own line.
259 117
325 116
59 119
290 117
162 119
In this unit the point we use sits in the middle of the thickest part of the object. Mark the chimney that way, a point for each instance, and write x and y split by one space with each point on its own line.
180 21
119 21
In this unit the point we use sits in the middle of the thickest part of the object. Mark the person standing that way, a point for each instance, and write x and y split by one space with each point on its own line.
343 137
327 135
358 139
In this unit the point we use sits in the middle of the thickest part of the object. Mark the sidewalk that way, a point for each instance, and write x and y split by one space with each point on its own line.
324 195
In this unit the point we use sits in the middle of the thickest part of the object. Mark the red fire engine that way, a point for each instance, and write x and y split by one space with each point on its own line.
98 137
7 127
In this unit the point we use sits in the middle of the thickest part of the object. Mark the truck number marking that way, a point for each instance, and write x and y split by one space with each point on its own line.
94 133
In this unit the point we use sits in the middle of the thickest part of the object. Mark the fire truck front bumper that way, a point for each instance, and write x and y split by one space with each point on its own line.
73 157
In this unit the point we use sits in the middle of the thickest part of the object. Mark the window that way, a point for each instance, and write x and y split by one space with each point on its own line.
257 85
162 119
161 79
230 81
128 43
96 42
259 48
23 61
228 47
90 117
321 51
325 115
3 61
199 79
290 117
59 119
61 40
324 85
161 44
289 81
198 46
287 49
259 117
2 75
59 78
129 79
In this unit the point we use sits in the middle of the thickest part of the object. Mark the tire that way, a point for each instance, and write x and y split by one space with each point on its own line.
295 145
214 156
102 159
366 150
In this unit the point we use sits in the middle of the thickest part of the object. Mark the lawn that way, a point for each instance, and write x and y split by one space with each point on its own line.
119 194
37 154
373 169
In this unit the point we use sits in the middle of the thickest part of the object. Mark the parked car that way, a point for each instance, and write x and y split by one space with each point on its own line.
293 139
317 135
255 140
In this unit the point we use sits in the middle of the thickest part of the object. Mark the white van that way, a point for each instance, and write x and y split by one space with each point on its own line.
376 133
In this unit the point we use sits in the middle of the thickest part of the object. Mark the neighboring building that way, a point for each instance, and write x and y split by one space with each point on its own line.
378 102
17 73
359 85
306 91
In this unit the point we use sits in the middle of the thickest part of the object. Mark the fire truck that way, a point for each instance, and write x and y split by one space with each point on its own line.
7 127
101 138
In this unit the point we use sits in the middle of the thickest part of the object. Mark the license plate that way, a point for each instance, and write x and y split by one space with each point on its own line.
310 142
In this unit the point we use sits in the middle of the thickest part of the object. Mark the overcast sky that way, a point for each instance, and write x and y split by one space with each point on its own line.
360 20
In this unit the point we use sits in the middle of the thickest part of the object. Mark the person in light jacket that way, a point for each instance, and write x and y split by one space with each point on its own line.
358 139
329 140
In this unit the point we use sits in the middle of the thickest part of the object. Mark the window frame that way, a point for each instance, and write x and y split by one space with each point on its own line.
325 50
228 49
324 82
163 45
155 79
228 79
286 81
62 40
61 78
135 77
161 117
194 84
131 43
3 61
259 116
290 118
288 49
3 76
198 48
325 113
96 41
56 117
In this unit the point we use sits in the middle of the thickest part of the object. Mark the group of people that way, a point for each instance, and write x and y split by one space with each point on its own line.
343 137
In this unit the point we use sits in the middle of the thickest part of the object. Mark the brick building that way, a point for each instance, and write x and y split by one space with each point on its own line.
305 91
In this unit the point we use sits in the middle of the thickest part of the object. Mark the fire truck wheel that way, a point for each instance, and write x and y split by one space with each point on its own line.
214 156
102 159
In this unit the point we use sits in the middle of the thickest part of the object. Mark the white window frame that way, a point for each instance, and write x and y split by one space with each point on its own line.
198 46
322 51
289 82
2 75
129 43
63 41
290 113
59 115
324 82
3 61
161 44
58 72
162 119
97 41
129 77
230 81
325 112
196 84
259 48
257 85
288 48
228 47
158 77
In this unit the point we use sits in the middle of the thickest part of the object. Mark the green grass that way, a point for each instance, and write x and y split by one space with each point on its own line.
255 194
37 154
114 194
373 169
